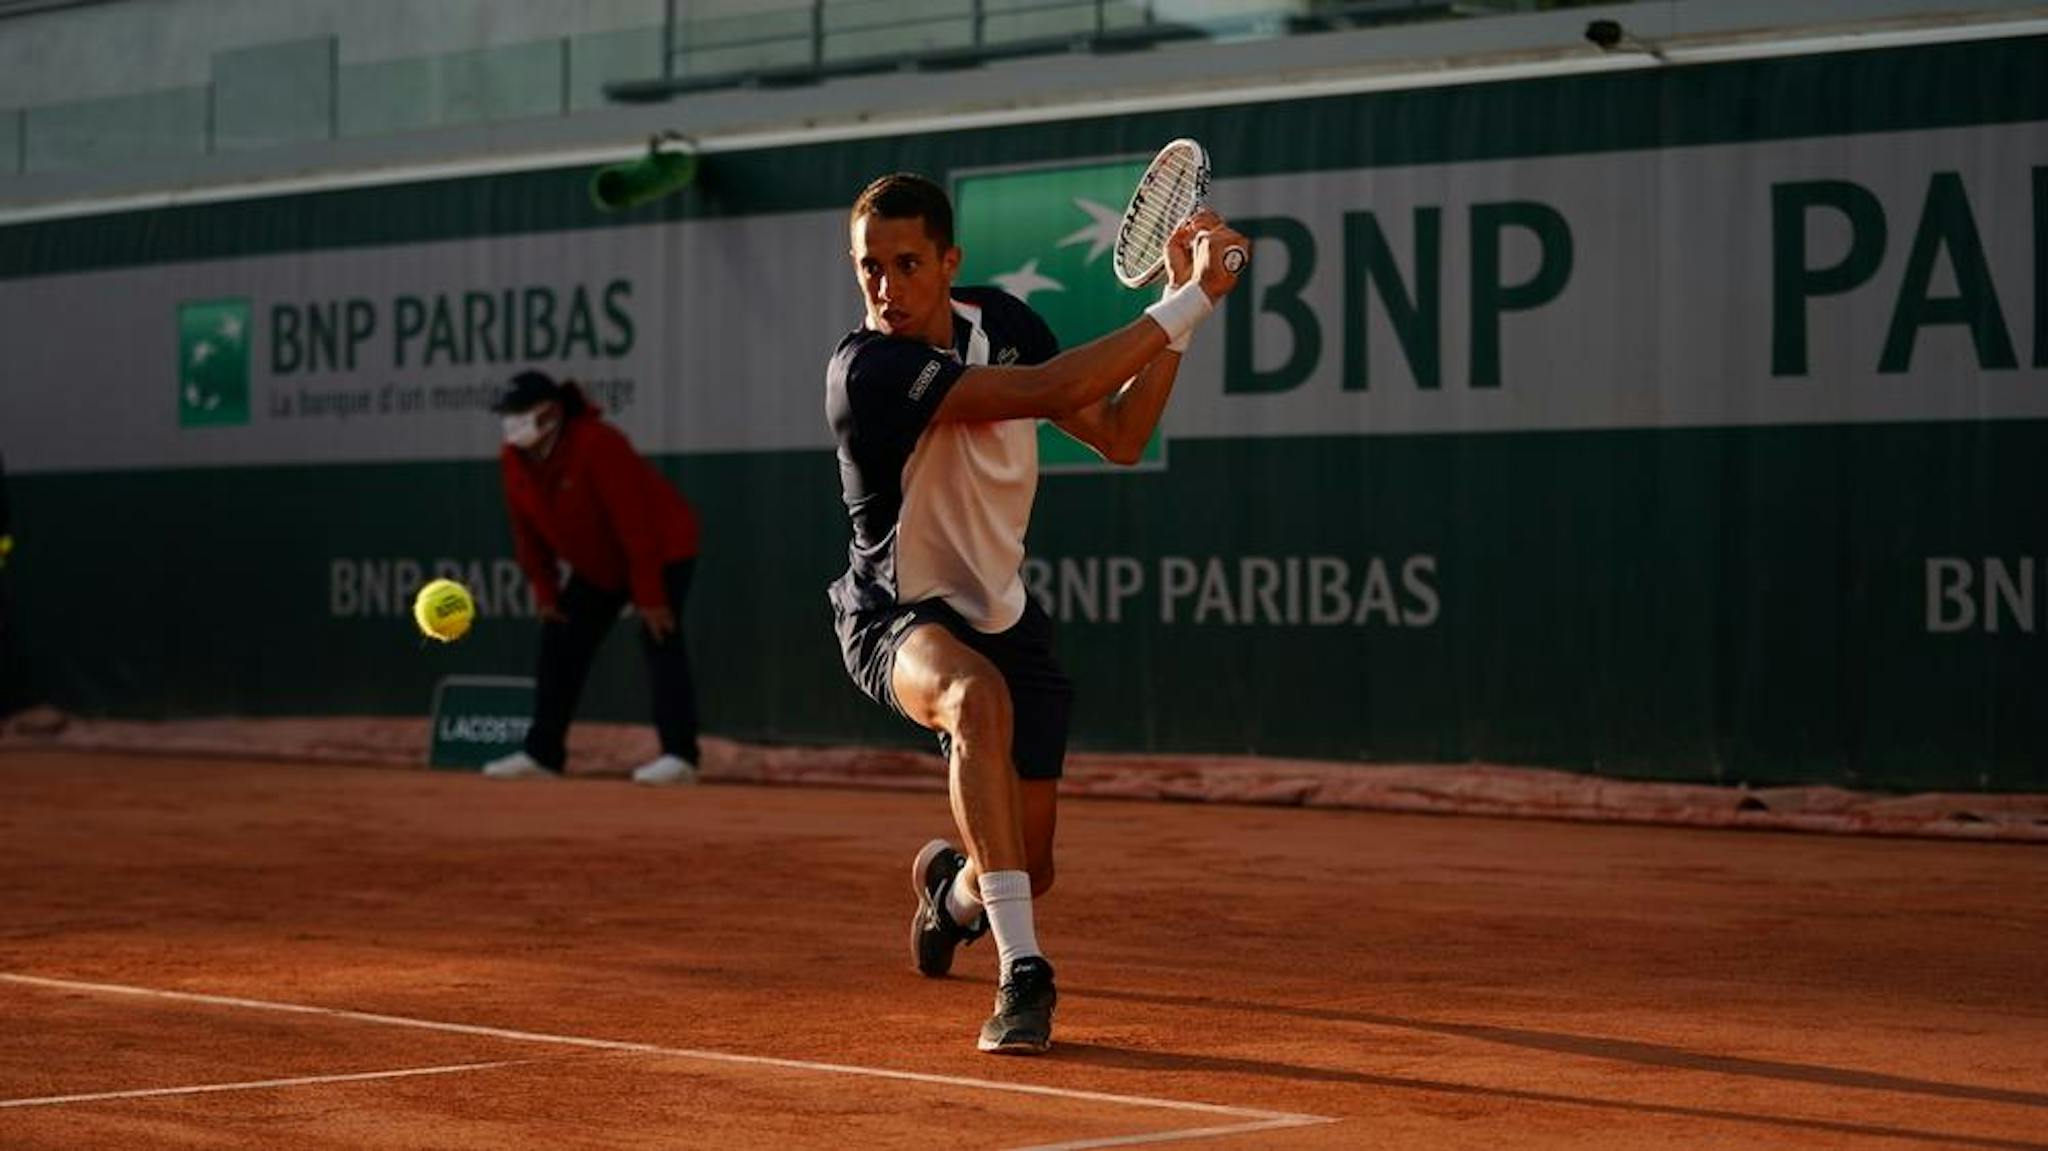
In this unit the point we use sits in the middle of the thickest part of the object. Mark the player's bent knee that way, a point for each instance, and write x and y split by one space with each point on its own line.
975 706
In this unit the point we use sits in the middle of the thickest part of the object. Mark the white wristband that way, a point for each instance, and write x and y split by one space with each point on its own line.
1180 311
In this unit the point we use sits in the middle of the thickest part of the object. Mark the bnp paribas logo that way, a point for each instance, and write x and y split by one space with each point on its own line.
213 362
1044 234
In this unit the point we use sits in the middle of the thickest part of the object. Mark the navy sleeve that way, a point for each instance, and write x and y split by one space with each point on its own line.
1011 322
1038 343
883 392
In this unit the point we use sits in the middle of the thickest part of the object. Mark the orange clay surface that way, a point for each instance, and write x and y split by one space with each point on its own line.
586 964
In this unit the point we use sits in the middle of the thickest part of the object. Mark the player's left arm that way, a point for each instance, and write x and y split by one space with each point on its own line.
1120 424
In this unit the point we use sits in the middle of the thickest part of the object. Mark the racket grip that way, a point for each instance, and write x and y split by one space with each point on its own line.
1235 258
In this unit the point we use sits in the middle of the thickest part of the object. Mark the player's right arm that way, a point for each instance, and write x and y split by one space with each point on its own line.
1090 373
1058 387
882 393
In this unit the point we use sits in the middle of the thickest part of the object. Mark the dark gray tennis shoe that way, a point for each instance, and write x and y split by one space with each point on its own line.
1022 1023
933 934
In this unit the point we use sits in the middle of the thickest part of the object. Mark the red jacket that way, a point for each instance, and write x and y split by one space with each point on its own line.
595 503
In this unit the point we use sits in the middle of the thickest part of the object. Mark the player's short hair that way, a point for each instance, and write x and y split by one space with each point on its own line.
909 196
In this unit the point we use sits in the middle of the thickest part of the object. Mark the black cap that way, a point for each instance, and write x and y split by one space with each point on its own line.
527 390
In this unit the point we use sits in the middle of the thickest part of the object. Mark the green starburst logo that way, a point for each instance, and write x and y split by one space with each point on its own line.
213 362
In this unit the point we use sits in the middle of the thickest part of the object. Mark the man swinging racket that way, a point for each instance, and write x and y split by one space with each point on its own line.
935 401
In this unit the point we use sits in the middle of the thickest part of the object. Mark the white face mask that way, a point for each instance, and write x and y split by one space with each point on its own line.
523 430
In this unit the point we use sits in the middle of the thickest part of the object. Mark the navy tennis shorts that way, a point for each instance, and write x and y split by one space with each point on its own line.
1041 695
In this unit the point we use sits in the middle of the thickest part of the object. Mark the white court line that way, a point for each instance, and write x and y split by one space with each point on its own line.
257 1084
1256 1119
1183 1133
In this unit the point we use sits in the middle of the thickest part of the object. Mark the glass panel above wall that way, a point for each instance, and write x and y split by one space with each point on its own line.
84 85
274 94
894 29
116 130
10 142
602 57
774 38
510 83
1009 21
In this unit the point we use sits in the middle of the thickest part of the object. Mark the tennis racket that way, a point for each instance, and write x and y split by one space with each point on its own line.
1172 188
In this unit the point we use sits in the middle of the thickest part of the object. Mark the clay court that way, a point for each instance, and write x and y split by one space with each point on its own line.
213 953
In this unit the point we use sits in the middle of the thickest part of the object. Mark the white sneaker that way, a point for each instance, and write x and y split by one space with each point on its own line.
518 765
669 769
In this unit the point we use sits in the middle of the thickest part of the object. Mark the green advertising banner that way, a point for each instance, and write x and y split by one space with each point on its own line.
1687 423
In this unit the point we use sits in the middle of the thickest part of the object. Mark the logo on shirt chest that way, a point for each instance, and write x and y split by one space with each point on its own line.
923 383
1007 356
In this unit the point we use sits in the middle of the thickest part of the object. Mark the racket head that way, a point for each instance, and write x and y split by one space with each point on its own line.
1173 186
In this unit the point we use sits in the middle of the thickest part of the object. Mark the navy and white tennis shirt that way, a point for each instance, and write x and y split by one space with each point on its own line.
938 510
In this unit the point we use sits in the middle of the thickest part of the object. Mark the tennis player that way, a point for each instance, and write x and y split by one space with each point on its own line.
935 400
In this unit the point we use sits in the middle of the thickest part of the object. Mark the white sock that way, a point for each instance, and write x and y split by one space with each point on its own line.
1007 897
962 904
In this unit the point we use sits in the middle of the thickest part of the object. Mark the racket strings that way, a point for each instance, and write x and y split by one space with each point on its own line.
1165 200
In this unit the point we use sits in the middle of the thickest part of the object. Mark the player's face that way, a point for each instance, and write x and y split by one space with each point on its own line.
904 277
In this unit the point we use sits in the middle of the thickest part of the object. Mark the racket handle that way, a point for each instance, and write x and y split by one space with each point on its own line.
1235 258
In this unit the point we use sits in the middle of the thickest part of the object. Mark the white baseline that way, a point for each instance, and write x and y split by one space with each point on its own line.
1254 1119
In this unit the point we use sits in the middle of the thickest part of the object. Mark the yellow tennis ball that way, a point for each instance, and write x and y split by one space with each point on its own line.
443 610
